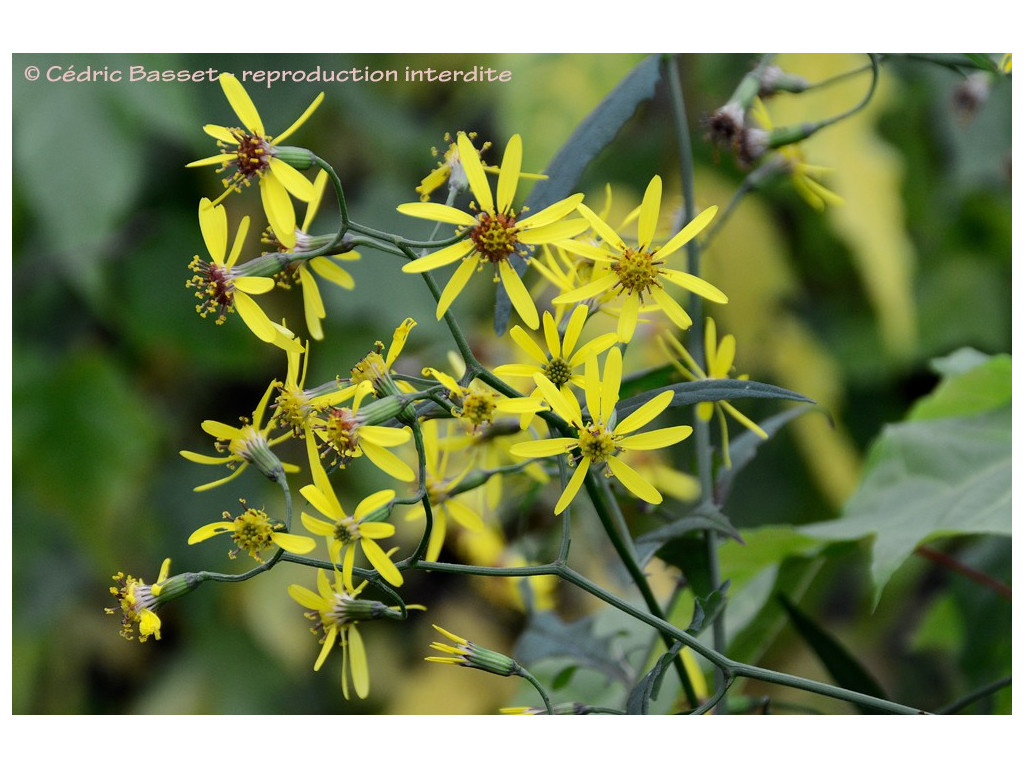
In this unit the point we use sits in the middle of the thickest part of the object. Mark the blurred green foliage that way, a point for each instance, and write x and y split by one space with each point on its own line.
113 370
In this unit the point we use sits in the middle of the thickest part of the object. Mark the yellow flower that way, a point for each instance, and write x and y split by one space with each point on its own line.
137 603
346 435
254 532
600 439
344 532
376 367
559 362
336 611
244 445
478 405
301 272
495 234
252 154
450 169
295 405
719 356
639 272
439 485
222 287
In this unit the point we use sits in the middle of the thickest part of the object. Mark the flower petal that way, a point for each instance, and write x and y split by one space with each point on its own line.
656 438
254 317
551 335
278 207
573 486
358 664
388 437
290 542
379 560
695 285
388 462
372 502
644 414
437 212
566 407
573 329
305 597
508 177
471 164
552 213
602 228
610 383
517 292
528 345
254 285
209 531
199 458
326 504
465 515
671 308
650 209
588 290
455 285
534 449
328 270
628 317
447 255
297 184
241 103
213 221
592 348
687 233
635 484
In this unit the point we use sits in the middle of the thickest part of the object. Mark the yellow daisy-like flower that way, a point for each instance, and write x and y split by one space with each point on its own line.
449 168
443 505
222 288
336 611
478 405
244 445
375 368
254 532
496 233
638 272
252 154
600 439
344 532
719 356
137 604
301 272
295 404
345 435
559 362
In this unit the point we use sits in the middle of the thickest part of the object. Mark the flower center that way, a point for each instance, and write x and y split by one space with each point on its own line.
347 531
371 368
293 409
637 271
436 492
253 531
495 237
213 288
477 408
596 443
341 433
245 445
557 371
251 157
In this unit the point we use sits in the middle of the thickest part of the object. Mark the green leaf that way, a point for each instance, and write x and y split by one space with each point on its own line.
706 608
704 517
595 133
974 383
932 477
711 390
984 61
548 636
563 678
840 663
639 701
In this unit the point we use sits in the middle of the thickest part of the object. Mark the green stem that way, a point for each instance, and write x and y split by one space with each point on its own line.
525 674
421 452
695 343
981 693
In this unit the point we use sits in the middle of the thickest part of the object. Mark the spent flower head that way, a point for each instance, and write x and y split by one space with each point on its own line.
496 233
249 154
138 601
467 654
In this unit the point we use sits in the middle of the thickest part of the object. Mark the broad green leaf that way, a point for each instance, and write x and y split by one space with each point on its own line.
972 385
595 133
705 609
840 663
639 701
934 477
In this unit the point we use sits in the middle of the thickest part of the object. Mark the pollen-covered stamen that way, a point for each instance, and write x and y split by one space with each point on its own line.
371 368
477 408
213 287
596 443
293 409
251 157
133 596
253 531
637 271
557 371
248 442
341 435
495 237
